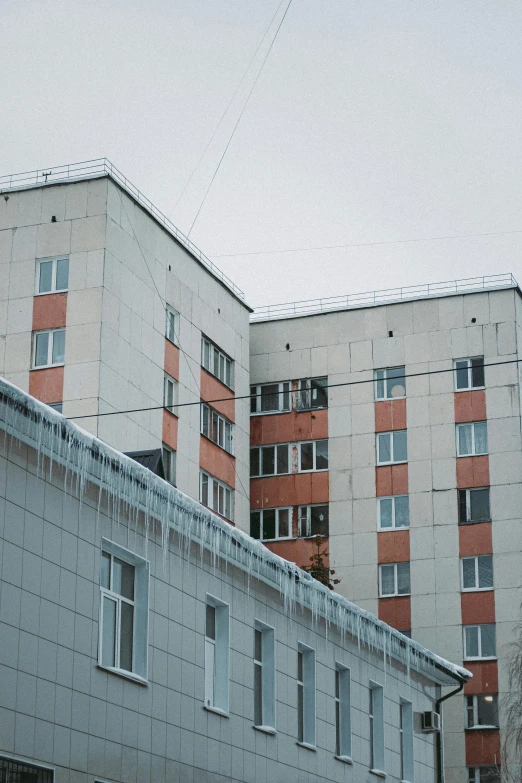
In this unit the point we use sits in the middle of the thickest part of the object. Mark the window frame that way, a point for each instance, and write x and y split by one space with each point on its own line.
469 369
211 480
396 593
277 510
476 588
474 708
50 348
384 381
392 434
473 452
171 311
266 711
304 387
276 447
479 657
477 774
314 443
468 492
284 395
169 469
222 425
406 741
376 718
343 712
10 760
56 406
226 378
308 520
306 696
54 260
217 680
394 526
169 381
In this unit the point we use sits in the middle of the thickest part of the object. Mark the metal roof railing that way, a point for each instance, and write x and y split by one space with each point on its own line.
101 167
384 296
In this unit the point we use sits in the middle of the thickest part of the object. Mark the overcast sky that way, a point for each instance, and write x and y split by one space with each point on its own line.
371 122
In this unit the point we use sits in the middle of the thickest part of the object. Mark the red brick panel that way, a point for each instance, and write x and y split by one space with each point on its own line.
470 406
47 385
393 546
49 311
485 677
391 480
298 550
298 489
170 429
390 415
217 461
171 360
212 389
475 539
472 472
478 607
288 427
396 611
482 747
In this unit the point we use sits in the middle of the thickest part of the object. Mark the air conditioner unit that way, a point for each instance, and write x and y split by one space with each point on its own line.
430 721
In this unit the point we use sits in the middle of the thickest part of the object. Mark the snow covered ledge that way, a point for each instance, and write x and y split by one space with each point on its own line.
131 488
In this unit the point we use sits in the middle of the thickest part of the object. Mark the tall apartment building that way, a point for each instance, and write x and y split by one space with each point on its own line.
105 306
389 429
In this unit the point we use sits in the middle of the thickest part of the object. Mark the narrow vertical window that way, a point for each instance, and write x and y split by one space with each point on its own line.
390 383
306 695
52 275
264 676
169 464
376 714
343 729
49 348
217 645
171 324
406 729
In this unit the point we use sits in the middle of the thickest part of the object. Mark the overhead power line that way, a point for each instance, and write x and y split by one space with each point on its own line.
273 394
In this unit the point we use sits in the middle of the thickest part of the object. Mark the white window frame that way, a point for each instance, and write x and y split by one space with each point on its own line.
469 368
475 774
170 387
262 512
172 325
343 709
305 517
217 657
50 344
305 391
278 447
217 428
473 710
476 588
140 616
384 380
306 685
283 397
395 579
406 732
223 492
169 464
394 526
265 712
468 520
314 443
376 716
225 364
54 261
479 657
392 435
472 425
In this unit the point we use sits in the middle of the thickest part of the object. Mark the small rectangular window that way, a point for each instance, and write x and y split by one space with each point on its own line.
392 447
216 362
306 695
313 455
394 579
393 512
169 464
390 383
264 676
14 771
474 505
52 275
484 775
482 711
472 439
270 397
343 729
376 715
406 729
216 495
269 460
477 573
48 348
172 325
170 394
217 428
271 523
313 521
312 393
480 641
469 373
217 646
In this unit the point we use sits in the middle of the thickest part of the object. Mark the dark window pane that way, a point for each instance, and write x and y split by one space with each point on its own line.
487 710
477 371
258 695
270 397
321 455
255 527
462 506
123 578
403 578
485 571
395 382
489 644
319 520
402 512
284 527
268 456
126 636
258 645
468 573
254 462
253 400
282 459
307 456
210 629
46 277
400 447
62 274
319 393
461 371
269 524
480 505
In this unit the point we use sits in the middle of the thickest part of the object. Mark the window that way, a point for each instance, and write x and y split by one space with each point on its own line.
484 775
391 447
472 439
217 645
56 406
306 695
172 325
469 373
376 714
269 460
217 363
49 348
482 711
12 771
124 580
474 505
313 521
406 731
169 464
394 579
216 495
217 428
343 729
312 393
480 641
390 383
52 275
477 573
271 523
170 394
393 512
270 397
264 676
313 455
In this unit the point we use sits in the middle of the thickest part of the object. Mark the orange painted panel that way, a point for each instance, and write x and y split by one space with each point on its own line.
171 361
473 472
288 427
390 415
393 546
217 461
47 385
485 677
296 489
212 389
49 311
391 480
396 611
483 747
475 539
170 429
478 607
297 550
470 406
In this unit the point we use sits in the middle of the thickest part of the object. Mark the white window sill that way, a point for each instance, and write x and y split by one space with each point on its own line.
126 675
378 772
477 589
217 711
480 454
269 413
265 729
318 408
480 728
307 746
471 388
345 759
275 540
58 291
47 366
395 595
392 529
386 464
490 658
389 399
320 470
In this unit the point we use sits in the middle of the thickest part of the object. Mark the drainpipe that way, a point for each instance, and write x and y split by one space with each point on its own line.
440 743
